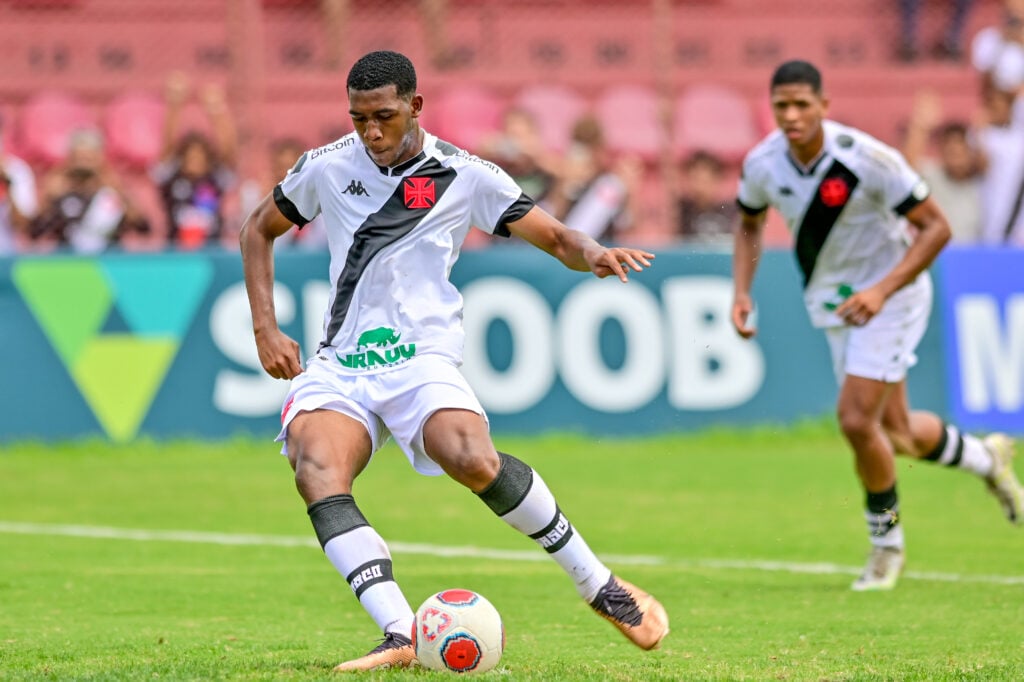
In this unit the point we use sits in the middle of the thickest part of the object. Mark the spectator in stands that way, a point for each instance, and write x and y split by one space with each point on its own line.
953 173
18 203
85 206
705 214
948 46
433 19
196 170
521 153
594 193
1001 139
997 52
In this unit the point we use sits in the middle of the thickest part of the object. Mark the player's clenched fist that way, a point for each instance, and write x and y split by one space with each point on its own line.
279 354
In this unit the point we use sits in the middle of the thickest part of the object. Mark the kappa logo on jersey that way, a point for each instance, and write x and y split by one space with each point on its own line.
419 192
834 192
356 188
367 355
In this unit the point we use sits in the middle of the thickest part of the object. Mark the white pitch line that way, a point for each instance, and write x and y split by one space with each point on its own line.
111 533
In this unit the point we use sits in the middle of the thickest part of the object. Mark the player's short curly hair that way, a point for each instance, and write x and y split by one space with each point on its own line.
797 71
383 68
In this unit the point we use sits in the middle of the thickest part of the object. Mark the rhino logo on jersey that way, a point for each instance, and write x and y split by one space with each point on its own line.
366 357
379 337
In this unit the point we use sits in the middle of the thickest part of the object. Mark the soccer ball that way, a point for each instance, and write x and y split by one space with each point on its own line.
458 630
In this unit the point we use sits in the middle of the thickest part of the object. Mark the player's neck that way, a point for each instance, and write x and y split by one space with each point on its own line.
414 148
807 154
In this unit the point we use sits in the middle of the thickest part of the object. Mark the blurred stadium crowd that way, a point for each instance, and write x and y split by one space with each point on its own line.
154 125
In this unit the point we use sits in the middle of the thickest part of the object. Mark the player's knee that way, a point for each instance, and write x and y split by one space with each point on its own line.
855 424
473 469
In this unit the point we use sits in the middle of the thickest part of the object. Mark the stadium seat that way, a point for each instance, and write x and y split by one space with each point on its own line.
47 120
133 123
764 116
716 119
555 108
465 115
632 122
313 123
8 141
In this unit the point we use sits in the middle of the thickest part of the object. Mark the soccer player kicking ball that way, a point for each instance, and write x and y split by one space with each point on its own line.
848 199
397 204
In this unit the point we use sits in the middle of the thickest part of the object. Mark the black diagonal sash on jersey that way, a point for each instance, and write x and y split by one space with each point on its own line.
389 224
821 216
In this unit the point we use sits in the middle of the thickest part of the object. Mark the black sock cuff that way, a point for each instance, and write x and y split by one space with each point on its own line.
885 501
335 515
371 573
556 534
509 487
936 453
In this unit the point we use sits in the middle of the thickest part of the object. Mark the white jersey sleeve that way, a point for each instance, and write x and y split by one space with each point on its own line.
497 198
897 186
751 195
297 195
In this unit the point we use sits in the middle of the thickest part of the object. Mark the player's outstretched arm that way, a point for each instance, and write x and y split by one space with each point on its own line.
279 354
576 250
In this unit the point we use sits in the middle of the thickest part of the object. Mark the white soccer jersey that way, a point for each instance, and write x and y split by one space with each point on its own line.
845 211
394 235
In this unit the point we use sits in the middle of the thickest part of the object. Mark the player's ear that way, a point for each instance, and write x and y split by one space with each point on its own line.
416 105
825 101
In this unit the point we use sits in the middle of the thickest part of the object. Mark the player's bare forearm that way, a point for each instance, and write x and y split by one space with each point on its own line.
256 240
576 250
933 235
278 353
746 254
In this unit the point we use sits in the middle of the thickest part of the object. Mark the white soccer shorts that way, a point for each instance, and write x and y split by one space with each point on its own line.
396 403
884 348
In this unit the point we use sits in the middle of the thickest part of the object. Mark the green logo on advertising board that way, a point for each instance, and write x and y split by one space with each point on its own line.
116 324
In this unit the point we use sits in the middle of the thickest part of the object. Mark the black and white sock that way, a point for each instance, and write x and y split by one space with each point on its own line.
883 517
519 496
962 450
360 554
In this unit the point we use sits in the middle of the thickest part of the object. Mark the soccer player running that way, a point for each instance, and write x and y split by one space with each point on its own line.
848 200
397 203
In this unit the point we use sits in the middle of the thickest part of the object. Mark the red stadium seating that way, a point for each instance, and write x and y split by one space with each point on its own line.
465 115
714 118
47 120
631 118
133 123
8 141
555 108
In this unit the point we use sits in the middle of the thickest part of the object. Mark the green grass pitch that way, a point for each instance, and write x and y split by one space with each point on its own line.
196 561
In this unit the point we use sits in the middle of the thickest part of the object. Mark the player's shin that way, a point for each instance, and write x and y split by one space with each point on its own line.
519 496
359 554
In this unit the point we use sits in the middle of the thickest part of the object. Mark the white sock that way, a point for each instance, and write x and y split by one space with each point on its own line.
882 514
539 517
964 451
893 538
976 457
363 559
